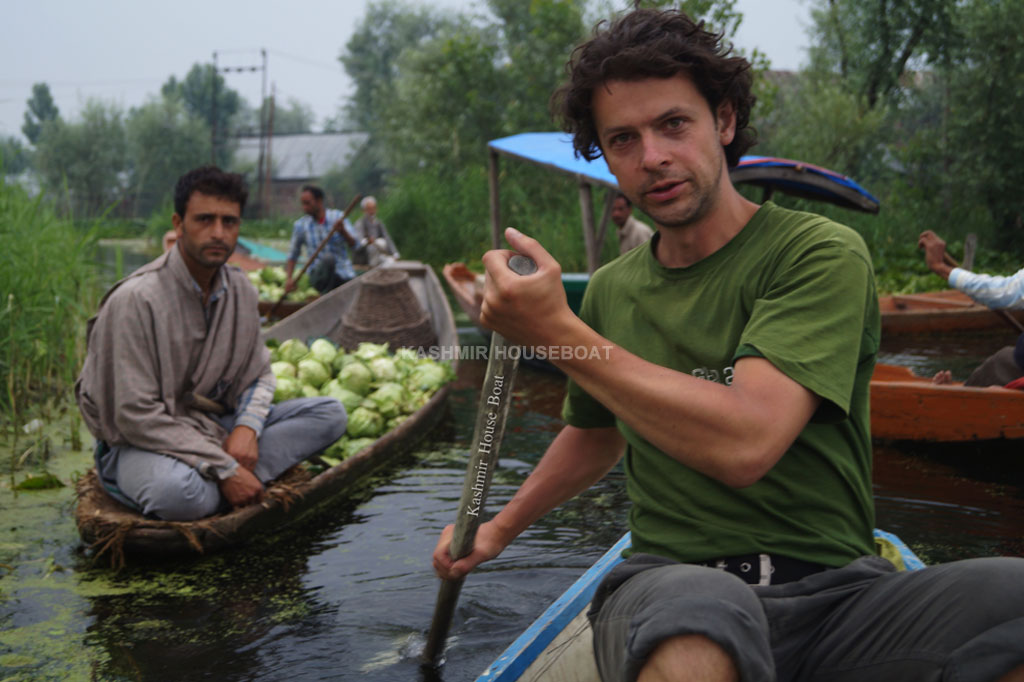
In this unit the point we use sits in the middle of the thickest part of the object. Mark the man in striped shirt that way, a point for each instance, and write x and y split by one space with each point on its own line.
332 266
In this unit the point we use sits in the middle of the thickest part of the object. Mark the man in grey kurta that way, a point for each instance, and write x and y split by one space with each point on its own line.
187 325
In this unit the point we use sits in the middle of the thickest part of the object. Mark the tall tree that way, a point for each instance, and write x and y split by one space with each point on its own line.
41 109
163 141
14 158
370 57
86 157
206 96
871 44
536 39
986 94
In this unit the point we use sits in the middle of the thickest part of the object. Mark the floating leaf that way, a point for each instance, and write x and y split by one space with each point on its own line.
41 482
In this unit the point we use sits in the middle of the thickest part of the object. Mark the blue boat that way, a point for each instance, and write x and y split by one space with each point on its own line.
557 647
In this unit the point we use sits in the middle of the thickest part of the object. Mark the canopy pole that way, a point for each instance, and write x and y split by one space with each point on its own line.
587 209
606 214
492 176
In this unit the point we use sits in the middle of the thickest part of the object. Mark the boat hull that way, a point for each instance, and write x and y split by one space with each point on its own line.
937 311
905 406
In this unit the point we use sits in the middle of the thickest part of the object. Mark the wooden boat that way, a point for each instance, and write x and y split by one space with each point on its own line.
937 311
558 646
285 309
905 406
111 528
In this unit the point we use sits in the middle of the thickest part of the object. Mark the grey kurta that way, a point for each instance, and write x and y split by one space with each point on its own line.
632 234
151 342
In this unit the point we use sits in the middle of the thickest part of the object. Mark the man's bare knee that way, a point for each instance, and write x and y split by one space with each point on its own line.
688 657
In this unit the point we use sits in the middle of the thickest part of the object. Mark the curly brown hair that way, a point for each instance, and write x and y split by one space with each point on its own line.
649 43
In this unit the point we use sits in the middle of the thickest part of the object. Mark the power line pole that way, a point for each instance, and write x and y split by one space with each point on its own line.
270 135
213 108
263 151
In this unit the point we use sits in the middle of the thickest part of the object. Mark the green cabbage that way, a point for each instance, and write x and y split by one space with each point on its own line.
342 359
395 421
389 398
364 423
356 445
283 369
383 369
293 350
313 373
274 274
428 376
309 391
349 399
367 351
287 388
356 377
323 351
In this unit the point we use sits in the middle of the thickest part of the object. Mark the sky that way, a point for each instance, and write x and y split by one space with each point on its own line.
122 51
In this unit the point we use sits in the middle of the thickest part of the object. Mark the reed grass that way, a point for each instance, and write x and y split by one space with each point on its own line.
48 287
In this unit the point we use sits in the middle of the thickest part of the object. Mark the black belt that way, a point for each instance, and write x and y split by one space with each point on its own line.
764 569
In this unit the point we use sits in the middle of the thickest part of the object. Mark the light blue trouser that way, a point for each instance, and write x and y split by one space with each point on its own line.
170 489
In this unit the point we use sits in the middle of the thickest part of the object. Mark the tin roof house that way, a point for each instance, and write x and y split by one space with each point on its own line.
295 160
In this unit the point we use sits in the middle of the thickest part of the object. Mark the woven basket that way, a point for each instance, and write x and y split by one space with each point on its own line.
386 311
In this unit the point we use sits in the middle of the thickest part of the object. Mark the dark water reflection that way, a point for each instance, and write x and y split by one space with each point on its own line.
352 595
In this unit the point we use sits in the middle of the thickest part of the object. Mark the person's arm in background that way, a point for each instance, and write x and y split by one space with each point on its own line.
989 290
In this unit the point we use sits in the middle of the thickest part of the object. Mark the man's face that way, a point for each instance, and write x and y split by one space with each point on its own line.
208 232
620 211
310 204
664 146
370 209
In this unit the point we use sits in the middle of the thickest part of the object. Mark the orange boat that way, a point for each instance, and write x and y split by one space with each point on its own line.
905 406
937 311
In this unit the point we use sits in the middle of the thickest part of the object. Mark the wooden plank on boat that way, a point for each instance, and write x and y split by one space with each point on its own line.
937 311
905 406
103 521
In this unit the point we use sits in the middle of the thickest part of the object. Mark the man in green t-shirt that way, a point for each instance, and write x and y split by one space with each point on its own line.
729 364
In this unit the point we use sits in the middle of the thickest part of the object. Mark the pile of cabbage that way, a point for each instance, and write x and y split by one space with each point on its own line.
270 282
378 389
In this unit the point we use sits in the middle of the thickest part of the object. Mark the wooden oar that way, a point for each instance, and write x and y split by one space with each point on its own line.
495 397
1006 316
309 261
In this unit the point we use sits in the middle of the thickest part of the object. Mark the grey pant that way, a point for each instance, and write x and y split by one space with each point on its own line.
998 369
168 488
961 621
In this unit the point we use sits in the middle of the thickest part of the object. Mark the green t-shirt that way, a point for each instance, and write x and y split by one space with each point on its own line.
791 287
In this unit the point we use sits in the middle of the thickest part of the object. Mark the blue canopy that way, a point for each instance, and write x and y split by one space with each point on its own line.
554 150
